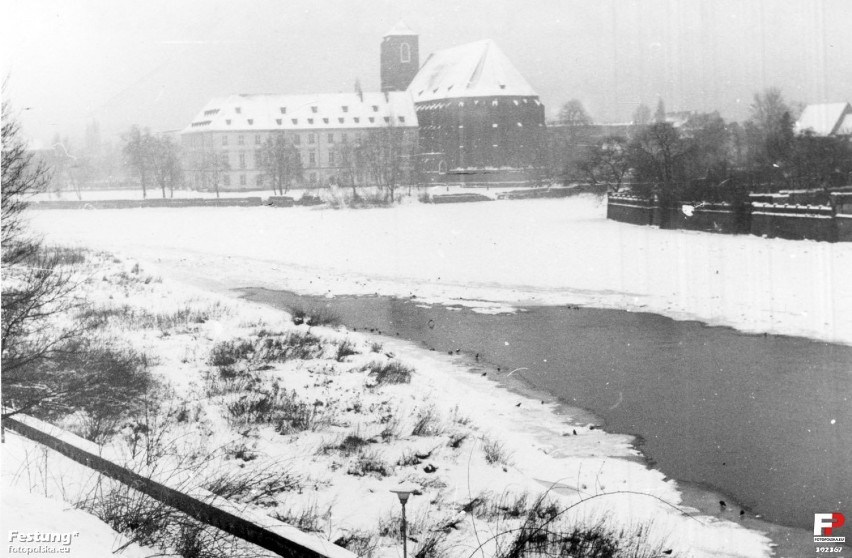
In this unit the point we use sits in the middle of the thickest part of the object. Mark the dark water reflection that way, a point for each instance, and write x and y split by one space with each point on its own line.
750 416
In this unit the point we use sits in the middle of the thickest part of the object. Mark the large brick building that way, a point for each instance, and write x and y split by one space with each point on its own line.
473 117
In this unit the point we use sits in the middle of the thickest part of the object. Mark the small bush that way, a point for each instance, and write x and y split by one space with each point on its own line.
495 452
228 353
432 545
408 459
352 443
376 347
456 439
370 463
294 415
254 486
360 543
304 519
64 255
428 423
344 349
391 372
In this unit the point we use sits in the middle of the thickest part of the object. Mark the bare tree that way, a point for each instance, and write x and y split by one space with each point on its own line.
137 151
35 288
164 158
281 163
384 154
606 162
213 167
573 113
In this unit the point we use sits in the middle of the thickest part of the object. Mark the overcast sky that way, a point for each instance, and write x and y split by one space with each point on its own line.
157 62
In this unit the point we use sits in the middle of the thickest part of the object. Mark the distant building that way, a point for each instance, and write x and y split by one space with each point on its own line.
475 119
235 128
480 121
827 119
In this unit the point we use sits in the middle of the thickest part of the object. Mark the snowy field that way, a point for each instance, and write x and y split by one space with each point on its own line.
489 255
533 450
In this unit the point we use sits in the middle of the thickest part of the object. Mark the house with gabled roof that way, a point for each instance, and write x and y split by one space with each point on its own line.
826 119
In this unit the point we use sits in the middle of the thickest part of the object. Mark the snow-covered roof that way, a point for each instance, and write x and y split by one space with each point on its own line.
478 69
823 119
305 112
399 29
845 127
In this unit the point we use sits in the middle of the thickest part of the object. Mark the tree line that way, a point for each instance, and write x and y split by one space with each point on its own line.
700 155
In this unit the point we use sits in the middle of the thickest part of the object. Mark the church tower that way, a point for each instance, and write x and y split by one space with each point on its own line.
400 58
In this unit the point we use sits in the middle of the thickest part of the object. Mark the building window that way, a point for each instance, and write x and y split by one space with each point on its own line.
225 163
242 180
283 110
258 158
340 120
313 178
375 108
257 139
404 53
312 158
356 119
224 140
331 157
310 120
250 121
371 119
259 180
344 137
240 140
295 121
325 120
226 180
387 119
314 110
242 160
402 120
331 138
312 138
228 122
345 108
238 110
297 139
278 121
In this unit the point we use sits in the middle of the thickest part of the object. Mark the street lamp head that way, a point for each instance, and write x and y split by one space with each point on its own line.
403 491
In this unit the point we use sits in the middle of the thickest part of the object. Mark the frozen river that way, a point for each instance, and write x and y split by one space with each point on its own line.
763 419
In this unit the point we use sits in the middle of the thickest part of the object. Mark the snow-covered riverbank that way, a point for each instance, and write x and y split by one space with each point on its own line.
490 255
458 436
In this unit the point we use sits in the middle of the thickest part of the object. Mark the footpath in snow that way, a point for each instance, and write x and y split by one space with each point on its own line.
490 255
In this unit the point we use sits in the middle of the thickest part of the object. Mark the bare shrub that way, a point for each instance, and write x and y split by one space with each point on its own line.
306 518
432 545
376 347
294 415
370 463
360 543
258 486
428 423
391 372
495 452
456 439
344 349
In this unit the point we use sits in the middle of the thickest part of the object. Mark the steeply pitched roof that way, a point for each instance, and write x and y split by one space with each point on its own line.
477 69
823 119
305 112
845 127
399 29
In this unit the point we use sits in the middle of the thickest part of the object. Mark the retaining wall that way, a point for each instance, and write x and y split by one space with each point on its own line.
796 222
631 209
459 198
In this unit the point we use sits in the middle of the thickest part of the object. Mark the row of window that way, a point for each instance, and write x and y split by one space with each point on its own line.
258 158
296 138
325 120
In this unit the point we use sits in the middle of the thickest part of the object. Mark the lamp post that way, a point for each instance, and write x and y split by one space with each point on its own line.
403 492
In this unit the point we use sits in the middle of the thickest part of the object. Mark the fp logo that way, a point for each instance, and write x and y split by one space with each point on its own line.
825 524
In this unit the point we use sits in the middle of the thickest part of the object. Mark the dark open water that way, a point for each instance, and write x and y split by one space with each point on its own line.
747 415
